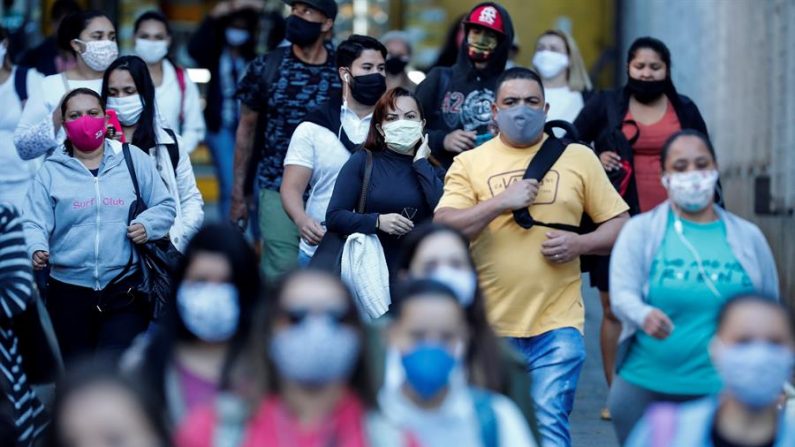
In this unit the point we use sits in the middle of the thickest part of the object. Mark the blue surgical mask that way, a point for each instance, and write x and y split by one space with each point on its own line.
754 373
210 311
236 37
521 124
428 369
316 351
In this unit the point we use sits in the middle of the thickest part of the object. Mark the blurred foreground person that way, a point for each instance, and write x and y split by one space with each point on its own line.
25 411
426 389
309 346
96 406
190 357
754 353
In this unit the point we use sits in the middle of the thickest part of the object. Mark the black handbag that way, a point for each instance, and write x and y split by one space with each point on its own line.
328 255
158 259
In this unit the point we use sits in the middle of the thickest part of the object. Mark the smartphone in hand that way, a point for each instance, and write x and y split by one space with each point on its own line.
114 126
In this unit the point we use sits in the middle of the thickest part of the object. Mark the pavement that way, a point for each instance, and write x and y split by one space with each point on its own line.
587 429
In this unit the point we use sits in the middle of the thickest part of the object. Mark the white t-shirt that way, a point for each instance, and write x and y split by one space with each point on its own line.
168 98
15 173
564 104
317 148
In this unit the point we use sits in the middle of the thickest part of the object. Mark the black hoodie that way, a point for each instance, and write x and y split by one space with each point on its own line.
464 93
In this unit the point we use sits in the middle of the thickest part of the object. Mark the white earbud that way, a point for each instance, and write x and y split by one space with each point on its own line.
347 78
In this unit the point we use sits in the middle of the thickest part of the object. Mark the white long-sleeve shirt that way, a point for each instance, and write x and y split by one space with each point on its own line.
169 100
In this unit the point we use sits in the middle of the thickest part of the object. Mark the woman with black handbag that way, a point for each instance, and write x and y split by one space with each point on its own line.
76 221
629 127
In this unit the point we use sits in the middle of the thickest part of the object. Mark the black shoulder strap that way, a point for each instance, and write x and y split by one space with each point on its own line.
549 153
368 174
21 83
130 167
173 149
274 61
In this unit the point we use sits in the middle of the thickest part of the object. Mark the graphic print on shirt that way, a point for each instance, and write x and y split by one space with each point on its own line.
298 89
470 112
721 273
547 191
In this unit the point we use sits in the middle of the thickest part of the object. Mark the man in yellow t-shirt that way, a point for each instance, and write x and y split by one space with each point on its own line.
531 277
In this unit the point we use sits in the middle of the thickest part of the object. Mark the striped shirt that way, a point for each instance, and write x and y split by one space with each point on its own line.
16 294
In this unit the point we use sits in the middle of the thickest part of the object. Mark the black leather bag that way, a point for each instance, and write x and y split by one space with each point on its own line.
328 255
158 259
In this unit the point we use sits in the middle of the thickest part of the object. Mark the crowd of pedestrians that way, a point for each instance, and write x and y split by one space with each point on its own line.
417 279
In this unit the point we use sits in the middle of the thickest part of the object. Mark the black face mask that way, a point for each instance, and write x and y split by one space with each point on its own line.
367 89
302 32
395 65
646 91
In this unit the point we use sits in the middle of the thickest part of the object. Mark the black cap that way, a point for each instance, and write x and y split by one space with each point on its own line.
327 7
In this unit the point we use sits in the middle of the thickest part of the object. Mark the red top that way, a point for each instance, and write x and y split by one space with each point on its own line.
273 426
646 156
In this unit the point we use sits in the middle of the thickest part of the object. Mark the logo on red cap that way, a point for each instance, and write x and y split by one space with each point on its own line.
487 16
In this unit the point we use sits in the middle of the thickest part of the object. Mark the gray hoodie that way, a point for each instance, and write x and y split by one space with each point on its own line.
81 220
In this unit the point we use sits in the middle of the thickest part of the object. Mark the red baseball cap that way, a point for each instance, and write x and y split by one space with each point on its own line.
486 16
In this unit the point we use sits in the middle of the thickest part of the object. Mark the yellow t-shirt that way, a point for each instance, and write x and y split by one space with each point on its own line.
525 294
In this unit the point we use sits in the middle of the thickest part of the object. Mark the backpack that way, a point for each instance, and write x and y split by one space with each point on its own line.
173 149
549 153
21 83
182 87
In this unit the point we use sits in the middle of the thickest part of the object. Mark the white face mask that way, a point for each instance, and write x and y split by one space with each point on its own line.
99 54
151 51
550 63
463 282
402 135
128 108
691 191
210 311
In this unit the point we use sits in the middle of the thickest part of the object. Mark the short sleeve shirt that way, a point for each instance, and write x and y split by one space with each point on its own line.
298 88
526 295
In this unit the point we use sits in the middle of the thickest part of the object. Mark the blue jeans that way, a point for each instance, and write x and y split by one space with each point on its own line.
222 148
554 361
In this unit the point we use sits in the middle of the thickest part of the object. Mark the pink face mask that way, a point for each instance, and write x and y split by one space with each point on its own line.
86 133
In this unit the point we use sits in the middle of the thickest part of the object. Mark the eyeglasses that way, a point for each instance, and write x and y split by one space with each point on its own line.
409 213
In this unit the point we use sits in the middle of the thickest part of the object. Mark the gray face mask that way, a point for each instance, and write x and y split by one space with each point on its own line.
521 124
316 351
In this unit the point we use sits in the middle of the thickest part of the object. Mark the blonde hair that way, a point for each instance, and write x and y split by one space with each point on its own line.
577 76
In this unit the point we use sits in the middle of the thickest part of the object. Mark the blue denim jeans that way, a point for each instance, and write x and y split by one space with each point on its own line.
554 361
222 149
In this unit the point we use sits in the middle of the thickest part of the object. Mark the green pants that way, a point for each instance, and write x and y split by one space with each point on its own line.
280 237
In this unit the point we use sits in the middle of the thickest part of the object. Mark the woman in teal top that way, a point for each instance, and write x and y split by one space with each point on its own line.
672 270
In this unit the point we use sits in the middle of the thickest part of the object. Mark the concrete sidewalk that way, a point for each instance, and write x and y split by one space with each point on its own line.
587 429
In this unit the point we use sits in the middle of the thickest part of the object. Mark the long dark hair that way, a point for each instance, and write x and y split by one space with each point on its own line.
103 372
68 148
145 136
361 380
483 356
375 141
226 240
72 25
656 45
